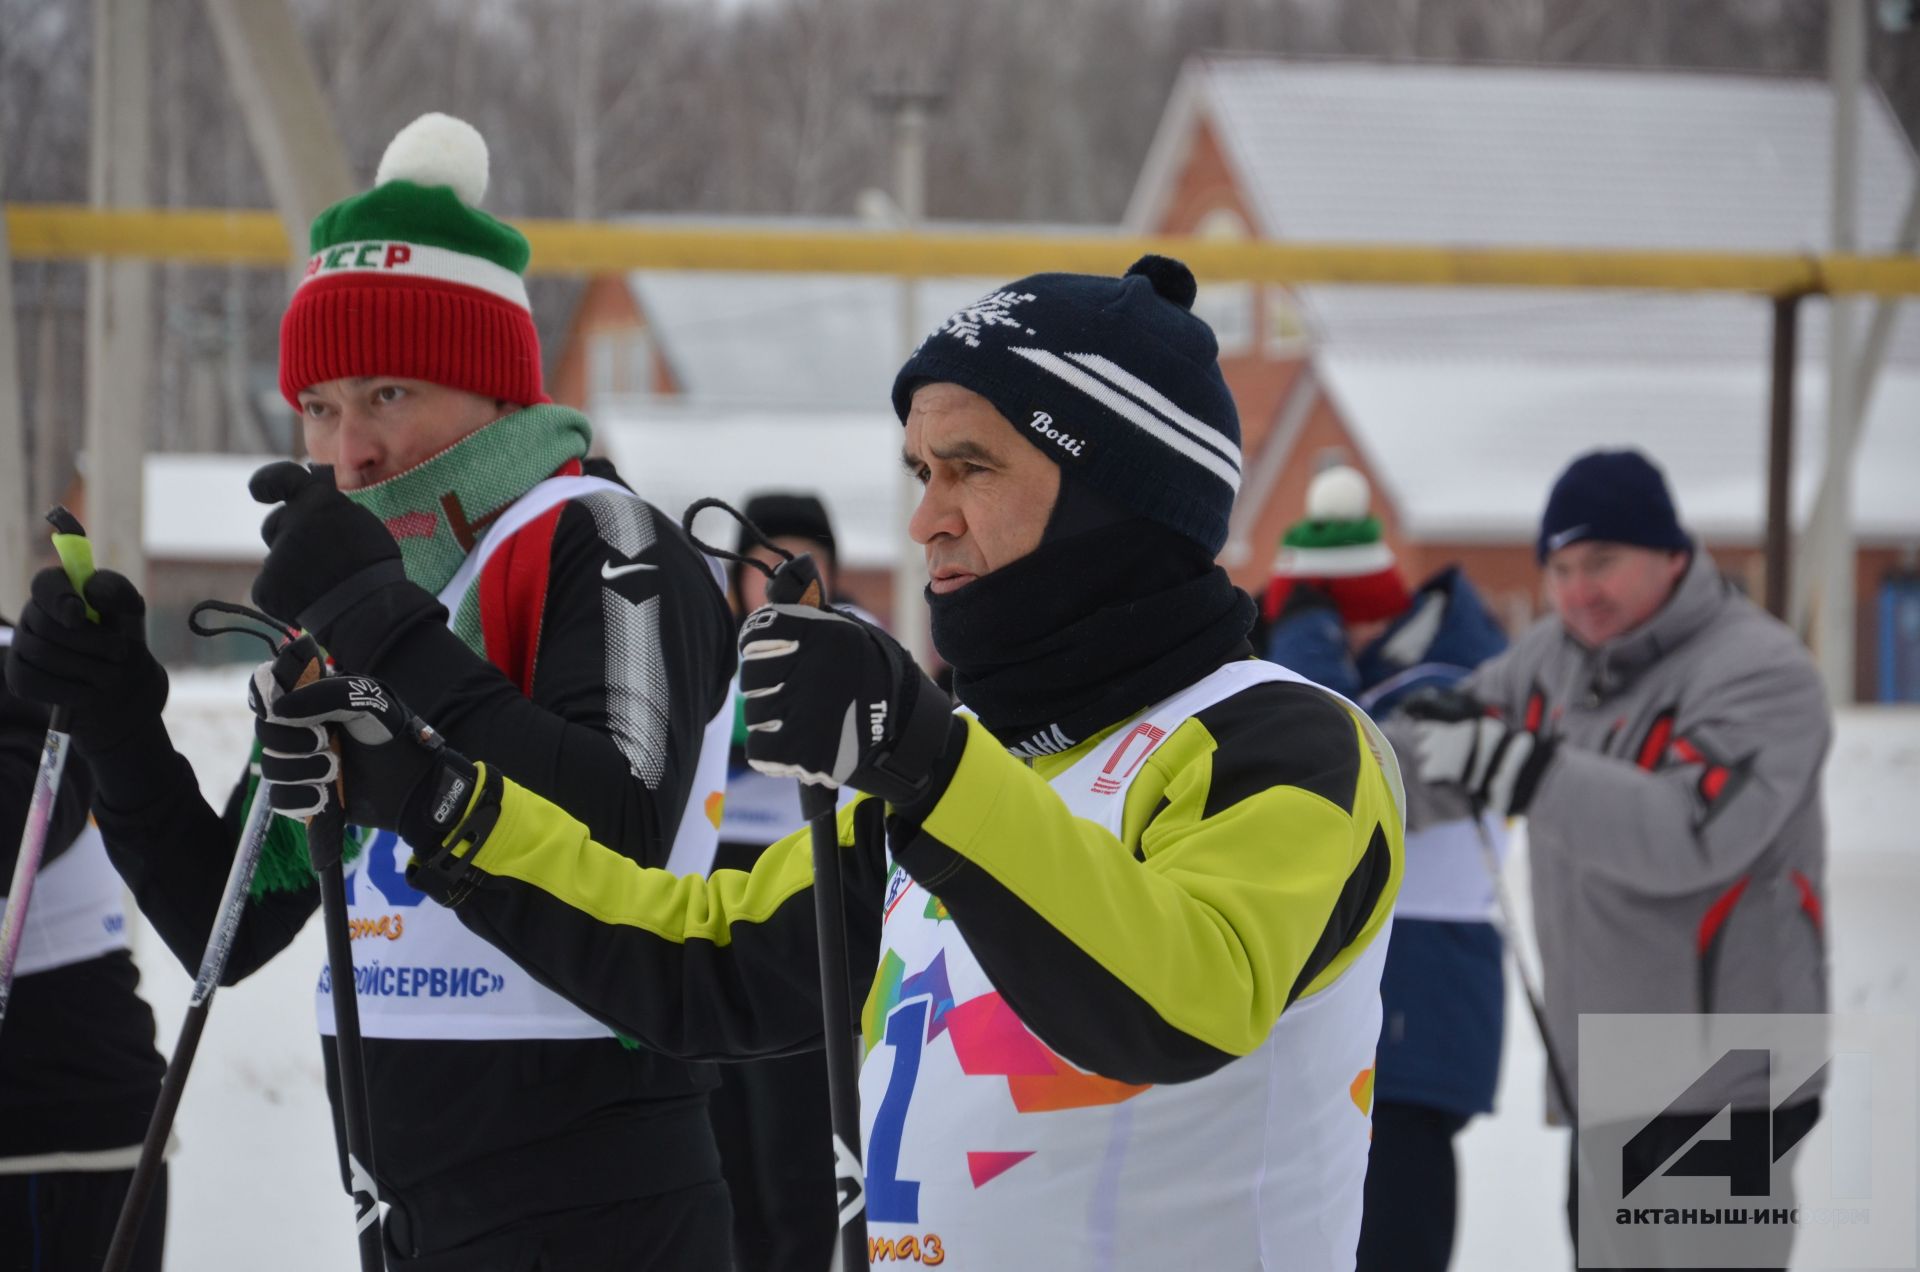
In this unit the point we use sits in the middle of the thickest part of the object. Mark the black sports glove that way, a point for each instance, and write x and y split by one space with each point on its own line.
324 551
397 773
1460 744
102 673
833 701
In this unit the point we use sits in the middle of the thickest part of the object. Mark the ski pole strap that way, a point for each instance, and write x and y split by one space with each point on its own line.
71 545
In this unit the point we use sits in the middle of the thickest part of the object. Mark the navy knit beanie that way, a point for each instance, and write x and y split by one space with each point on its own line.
1113 379
1613 496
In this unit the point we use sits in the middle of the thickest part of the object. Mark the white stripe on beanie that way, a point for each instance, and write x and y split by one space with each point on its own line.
399 259
1119 376
1162 431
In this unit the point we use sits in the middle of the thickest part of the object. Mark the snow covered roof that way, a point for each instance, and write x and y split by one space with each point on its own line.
1467 448
1469 401
674 454
816 340
1357 152
796 339
197 508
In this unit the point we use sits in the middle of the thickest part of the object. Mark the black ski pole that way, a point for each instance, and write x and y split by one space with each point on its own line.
797 582
297 663
76 557
325 845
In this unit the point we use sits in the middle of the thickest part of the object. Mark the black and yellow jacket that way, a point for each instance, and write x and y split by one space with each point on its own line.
1258 855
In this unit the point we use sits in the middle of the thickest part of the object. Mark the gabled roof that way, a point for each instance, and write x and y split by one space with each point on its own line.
1359 152
1467 448
1468 401
813 340
818 340
674 453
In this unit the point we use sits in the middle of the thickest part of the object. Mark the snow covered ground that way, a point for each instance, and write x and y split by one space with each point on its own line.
254 1183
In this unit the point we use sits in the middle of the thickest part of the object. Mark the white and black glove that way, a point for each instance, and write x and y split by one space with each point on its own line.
834 701
1460 745
349 739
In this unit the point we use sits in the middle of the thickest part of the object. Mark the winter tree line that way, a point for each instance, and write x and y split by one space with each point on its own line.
597 108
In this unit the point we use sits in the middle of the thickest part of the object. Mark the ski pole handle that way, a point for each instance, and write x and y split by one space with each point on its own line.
797 582
75 550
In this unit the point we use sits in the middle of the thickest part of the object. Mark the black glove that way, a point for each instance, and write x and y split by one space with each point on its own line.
396 771
833 701
324 551
102 673
1461 745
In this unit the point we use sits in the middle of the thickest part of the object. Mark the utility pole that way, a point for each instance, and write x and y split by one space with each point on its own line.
13 447
119 292
908 106
1832 585
286 116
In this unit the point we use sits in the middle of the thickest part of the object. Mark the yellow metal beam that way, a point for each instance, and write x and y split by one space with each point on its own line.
63 232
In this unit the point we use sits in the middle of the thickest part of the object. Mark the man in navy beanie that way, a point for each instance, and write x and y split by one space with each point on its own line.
1119 924
1664 737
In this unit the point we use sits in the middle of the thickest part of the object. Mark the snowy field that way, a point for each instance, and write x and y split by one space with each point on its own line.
254 1183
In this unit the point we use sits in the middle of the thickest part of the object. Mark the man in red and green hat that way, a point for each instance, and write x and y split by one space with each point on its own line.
453 537
1343 616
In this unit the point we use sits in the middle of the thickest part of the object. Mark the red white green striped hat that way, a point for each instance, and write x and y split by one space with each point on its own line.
412 279
1339 548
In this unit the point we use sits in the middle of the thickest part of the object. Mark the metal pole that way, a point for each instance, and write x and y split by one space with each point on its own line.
14 497
286 116
909 109
1832 581
1786 332
119 291
1872 357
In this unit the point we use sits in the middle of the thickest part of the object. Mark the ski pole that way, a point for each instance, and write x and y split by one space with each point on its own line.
1556 1073
797 582
1490 857
325 846
76 558
297 664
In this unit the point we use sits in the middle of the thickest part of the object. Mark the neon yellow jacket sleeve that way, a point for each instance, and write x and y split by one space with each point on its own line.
698 967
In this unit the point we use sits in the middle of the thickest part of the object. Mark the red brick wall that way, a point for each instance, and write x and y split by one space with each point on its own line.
607 305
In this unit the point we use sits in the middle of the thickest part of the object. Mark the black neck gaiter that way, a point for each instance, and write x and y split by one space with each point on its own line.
1086 630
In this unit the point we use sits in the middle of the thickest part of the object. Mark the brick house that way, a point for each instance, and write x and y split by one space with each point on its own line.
1461 405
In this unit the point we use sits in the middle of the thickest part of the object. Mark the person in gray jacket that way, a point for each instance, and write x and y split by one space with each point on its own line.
1664 737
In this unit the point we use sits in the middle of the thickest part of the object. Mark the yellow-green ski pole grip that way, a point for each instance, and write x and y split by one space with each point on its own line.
75 552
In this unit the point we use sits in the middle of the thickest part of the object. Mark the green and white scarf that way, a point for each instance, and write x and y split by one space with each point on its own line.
439 509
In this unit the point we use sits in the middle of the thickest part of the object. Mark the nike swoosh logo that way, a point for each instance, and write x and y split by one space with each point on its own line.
1561 540
610 571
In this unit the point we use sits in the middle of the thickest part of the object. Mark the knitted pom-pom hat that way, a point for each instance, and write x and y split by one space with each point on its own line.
1338 548
412 279
1114 379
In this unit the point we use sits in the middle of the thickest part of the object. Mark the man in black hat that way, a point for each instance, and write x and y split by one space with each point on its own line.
1122 971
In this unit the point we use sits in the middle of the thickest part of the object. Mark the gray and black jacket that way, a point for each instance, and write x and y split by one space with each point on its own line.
1677 840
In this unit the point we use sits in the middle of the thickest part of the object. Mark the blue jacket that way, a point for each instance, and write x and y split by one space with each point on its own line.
1442 990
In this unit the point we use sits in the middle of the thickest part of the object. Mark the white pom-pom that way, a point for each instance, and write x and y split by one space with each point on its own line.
1338 494
438 150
